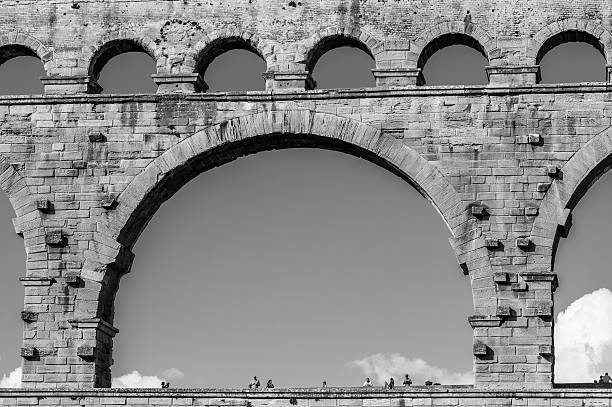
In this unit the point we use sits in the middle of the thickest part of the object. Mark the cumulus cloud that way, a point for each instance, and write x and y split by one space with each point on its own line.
136 380
173 374
583 338
12 381
380 367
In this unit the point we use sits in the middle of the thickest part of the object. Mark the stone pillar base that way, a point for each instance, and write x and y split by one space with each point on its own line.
397 77
179 83
513 75
609 73
300 80
62 85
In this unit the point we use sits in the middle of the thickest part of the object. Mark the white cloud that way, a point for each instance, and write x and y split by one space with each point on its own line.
583 338
173 374
12 381
380 367
136 380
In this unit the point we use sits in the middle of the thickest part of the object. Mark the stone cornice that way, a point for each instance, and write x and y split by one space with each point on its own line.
279 94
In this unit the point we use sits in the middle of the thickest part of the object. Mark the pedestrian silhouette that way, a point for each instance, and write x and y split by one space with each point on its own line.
367 383
391 383
407 381
254 383
269 385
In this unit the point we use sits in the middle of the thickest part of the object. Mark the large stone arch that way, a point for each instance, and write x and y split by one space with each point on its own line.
109 255
226 141
576 177
25 41
587 27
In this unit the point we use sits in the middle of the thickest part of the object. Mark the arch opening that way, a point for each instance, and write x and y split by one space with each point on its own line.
225 153
231 64
456 47
567 58
341 54
20 70
281 286
11 297
123 66
583 300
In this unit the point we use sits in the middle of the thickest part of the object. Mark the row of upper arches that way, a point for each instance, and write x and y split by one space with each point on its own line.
200 57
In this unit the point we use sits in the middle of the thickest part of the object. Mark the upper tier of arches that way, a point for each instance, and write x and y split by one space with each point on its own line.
192 54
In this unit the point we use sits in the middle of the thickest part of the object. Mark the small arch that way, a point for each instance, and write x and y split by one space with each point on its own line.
111 49
444 41
208 51
22 44
570 30
331 42
569 36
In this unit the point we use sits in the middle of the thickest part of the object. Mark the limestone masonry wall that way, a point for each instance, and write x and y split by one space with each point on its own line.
503 164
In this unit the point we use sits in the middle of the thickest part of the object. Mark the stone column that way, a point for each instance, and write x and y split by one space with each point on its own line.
63 85
514 348
609 73
513 75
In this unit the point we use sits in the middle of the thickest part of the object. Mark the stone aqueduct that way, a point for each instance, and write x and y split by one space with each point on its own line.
503 164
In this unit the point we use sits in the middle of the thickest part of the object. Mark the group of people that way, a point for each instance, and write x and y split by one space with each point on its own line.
605 379
390 384
255 384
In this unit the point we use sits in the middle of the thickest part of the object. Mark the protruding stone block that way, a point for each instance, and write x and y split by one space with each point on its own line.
501 278
492 244
43 205
480 349
545 350
523 243
79 165
479 211
553 171
484 321
520 286
544 310
58 85
28 352
29 316
73 279
504 311
86 351
109 201
532 211
55 238
543 186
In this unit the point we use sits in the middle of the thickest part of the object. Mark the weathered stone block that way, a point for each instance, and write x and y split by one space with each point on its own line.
480 349
501 278
86 351
523 243
503 311
55 238
43 205
29 316
29 352
545 350
492 244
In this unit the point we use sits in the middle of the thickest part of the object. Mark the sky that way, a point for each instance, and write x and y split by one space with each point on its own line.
310 265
